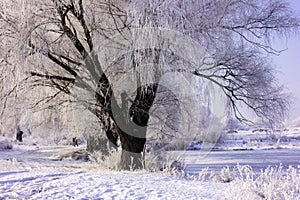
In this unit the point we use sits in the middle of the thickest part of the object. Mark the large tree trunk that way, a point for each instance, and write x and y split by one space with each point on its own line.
132 127
132 149
112 137
102 143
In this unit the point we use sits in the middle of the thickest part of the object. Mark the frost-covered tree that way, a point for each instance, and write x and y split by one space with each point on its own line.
114 58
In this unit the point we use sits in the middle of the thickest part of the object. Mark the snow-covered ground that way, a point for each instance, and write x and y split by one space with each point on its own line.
45 172
30 172
102 185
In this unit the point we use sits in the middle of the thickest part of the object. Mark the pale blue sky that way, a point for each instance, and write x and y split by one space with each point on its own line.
288 63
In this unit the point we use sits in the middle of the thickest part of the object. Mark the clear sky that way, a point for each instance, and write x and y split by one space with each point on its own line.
288 63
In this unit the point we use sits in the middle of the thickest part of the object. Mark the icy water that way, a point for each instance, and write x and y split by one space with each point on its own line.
257 159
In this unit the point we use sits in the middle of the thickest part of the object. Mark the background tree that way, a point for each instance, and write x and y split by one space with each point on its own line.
80 49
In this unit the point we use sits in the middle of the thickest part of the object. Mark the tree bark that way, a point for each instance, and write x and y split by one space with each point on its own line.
112 137
132 127
132 149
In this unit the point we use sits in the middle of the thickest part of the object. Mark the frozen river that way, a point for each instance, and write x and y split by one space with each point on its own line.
257 159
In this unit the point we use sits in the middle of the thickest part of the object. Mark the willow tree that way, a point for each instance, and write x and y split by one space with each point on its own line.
111 56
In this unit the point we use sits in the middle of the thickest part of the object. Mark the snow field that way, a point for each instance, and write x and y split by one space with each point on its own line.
104 185
46 172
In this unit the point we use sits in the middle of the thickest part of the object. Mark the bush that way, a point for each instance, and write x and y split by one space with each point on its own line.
271 183
75 154
107 161
162 161
158 162
177 145
5 144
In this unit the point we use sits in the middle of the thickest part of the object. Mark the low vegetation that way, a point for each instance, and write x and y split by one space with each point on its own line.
271 183
5 144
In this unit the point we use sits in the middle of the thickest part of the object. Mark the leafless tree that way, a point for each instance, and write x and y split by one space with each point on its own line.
81 49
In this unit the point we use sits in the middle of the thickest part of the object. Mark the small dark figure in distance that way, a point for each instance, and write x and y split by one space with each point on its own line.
75 141
20 136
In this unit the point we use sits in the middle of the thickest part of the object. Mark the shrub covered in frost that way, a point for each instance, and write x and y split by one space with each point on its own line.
271 183
5 144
